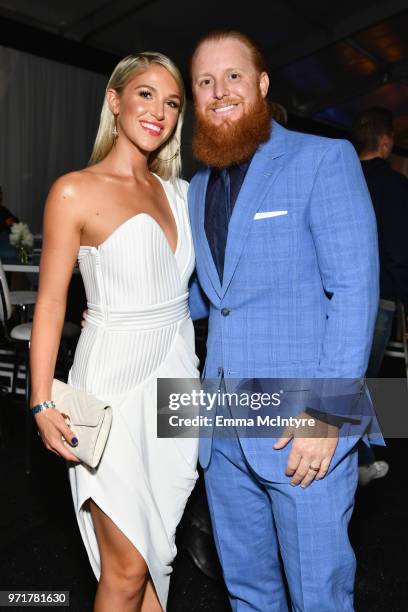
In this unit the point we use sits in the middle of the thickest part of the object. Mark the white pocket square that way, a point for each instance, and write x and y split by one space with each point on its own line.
270 213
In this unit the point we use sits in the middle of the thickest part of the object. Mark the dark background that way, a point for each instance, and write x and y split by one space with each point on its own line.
327 59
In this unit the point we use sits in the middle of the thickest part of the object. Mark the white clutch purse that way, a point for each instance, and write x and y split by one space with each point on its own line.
89 417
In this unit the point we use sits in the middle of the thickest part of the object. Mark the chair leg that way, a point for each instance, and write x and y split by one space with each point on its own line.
2 435
15 373
28 416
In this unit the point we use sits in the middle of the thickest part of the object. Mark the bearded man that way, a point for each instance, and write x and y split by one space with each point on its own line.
286 251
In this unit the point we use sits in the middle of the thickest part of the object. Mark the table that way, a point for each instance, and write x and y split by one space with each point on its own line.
28 268
21 268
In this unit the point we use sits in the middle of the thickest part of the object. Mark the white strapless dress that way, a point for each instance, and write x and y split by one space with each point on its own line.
137 329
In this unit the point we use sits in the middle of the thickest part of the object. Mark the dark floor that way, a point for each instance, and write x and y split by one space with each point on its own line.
40 547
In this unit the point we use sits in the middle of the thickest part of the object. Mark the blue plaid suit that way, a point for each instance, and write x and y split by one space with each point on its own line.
300 286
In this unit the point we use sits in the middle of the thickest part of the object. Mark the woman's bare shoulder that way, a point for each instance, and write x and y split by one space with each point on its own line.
77 184
72 198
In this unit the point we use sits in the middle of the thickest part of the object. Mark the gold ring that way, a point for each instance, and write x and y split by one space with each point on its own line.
66 418
314 469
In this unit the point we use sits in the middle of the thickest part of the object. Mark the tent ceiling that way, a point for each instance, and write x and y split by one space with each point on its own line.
327 59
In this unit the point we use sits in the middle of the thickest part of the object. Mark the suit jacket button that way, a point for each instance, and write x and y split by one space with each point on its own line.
225 312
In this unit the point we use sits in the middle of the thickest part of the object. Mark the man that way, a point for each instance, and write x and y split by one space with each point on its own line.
6 217
373 138
286 253
7 251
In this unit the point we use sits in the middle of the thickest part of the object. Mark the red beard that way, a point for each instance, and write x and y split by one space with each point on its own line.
233 142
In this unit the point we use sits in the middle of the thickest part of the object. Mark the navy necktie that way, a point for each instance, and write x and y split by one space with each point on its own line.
222 192
224 215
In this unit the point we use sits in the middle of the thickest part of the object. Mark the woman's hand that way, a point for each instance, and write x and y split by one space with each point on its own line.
52 426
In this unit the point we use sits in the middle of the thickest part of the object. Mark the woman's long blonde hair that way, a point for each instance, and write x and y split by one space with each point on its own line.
166 160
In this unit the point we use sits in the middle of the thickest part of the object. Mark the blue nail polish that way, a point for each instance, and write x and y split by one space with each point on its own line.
74 441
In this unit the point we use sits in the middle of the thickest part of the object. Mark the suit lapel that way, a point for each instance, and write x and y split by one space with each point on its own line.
262 172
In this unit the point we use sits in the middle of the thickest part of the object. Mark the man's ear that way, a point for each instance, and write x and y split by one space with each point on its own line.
263 84
113 100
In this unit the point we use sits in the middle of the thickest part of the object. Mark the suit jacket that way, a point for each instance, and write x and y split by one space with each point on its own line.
300 288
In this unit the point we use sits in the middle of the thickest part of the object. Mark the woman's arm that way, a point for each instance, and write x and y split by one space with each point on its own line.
63 221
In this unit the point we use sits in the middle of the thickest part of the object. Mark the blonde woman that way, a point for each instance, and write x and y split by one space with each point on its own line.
125 219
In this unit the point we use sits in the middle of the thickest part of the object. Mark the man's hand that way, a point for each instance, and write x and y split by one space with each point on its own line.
312 450
83 318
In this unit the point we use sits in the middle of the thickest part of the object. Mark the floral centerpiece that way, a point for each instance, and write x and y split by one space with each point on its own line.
22 239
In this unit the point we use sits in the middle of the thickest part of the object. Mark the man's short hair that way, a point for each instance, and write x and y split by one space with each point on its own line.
257 54
369 126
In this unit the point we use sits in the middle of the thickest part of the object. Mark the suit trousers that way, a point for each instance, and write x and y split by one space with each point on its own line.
264 529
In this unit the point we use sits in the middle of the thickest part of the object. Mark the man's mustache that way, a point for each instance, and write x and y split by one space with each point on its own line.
222 103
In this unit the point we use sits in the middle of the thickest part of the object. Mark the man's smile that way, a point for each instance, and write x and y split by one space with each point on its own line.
224 109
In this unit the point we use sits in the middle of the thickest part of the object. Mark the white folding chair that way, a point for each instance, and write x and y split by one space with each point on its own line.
21 335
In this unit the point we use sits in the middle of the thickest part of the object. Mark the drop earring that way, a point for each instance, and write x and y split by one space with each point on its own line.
115 130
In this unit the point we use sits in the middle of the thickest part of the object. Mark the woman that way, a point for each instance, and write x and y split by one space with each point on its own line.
125 219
